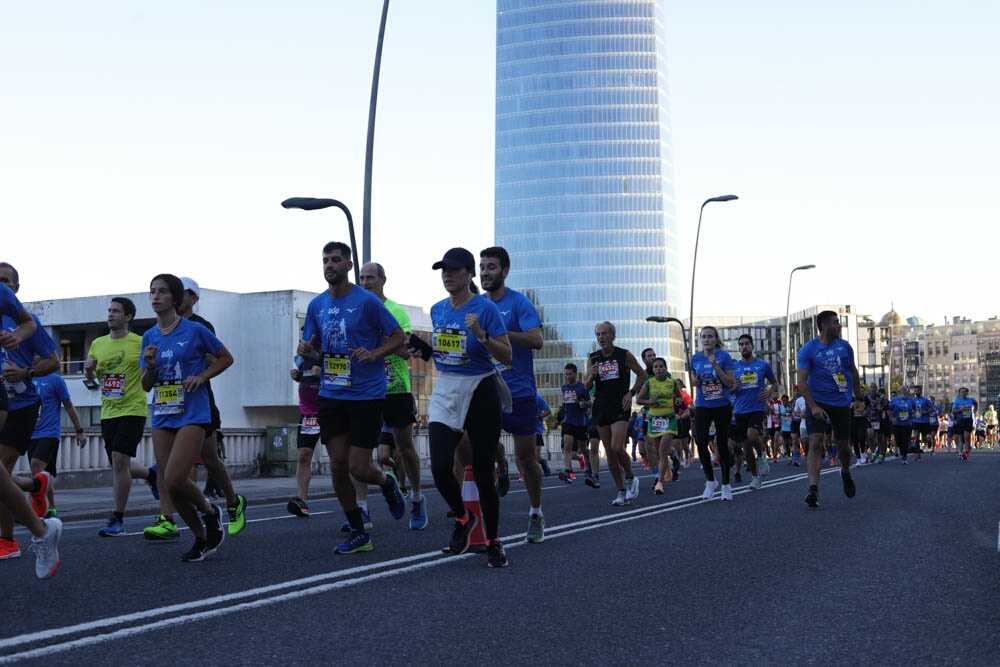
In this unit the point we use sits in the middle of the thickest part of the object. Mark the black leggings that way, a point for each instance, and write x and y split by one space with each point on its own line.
703 418
482 423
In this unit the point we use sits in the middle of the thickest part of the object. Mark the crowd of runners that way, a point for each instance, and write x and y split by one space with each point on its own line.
355 400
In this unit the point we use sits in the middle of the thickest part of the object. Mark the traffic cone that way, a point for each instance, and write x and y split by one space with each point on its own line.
470 496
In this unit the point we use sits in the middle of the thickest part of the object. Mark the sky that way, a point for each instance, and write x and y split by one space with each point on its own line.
143 137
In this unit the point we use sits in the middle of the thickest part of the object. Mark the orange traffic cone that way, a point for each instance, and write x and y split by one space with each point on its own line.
470 496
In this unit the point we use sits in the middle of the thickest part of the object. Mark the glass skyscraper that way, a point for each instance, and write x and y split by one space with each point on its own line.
584 183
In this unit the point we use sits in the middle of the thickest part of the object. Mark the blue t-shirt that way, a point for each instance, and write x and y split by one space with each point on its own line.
902 410
358 319
830 379
922 408
22 394
180 354
52 391
542 406
712 393
456 350
750 379
963 408
573 414
519 315
10 306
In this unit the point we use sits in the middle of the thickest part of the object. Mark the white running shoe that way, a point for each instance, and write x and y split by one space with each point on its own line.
46 548
754 484
619 499
763 466
710 488
633 490
727 492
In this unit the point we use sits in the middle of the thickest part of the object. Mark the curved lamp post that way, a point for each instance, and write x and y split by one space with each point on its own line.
694 264
313 204
788 343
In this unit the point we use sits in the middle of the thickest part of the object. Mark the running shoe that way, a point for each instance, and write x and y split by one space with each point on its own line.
710 488
727 492
619 499
633 489
546 471
298 507
674 475
9 549
46 549
151 479
418 514
115 527
40 497
591 481
496 555
849 489
196 553
658 488
355 543
812 498
366 522
461 534
755 483
214 535
763 466
393 497
237 516
536 529
51 513
566 476
163 529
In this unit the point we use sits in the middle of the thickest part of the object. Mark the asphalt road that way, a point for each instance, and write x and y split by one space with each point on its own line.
904 573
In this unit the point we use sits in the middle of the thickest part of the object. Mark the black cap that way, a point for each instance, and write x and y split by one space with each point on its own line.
457 258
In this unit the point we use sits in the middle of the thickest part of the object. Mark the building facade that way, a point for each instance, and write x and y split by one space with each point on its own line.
584 185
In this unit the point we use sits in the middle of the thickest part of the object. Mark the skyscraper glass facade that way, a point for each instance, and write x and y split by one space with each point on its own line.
584 183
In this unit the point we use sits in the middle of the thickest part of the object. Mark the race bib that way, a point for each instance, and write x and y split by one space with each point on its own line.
903 414
337 370
608 370
659 424
389 375
711 391
497 365
569 397
168 399
310 425
113 386
841 381
450 346
875 425
748 379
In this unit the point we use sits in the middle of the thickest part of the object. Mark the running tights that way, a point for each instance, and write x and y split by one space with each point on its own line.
703 418
482 423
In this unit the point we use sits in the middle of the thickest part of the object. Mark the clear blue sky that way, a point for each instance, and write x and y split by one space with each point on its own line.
141 137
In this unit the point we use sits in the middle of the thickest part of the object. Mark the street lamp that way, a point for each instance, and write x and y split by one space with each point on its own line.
788 343
313 204
687 350
366 211
694 264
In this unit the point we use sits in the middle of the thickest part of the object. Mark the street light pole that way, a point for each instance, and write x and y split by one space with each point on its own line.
366 214
788 343
687 350
694 264
314 204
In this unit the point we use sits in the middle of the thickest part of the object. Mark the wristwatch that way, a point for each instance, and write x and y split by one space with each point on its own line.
31 372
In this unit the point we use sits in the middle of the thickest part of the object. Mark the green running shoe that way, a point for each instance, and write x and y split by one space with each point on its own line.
163 529
237 517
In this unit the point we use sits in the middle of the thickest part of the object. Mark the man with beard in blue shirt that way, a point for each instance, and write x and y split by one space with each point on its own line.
750 405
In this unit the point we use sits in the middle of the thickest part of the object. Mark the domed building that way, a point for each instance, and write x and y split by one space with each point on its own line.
891 319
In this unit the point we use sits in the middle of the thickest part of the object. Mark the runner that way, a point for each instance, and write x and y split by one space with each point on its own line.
469 339
307 377
348 332
749 405
922 409
712 374
650 455
963 411
798 426
399 410
43 449
114 361
682 408
658 394
576 400
524 330
827 374
902 408
174 368
19 326
609 374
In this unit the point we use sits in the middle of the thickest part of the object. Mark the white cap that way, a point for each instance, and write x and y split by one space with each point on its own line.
190 285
